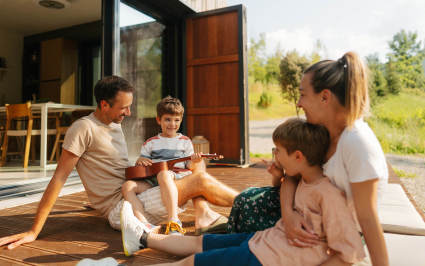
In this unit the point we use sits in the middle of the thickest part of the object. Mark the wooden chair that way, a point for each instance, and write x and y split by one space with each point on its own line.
15 112
60 131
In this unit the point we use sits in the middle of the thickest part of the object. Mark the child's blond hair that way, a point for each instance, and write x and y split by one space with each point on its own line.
169 105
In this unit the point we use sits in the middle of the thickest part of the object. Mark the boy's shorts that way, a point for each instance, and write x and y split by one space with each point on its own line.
153 181
223 250
155 211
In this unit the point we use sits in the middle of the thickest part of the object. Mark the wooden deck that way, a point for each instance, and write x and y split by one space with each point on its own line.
74 231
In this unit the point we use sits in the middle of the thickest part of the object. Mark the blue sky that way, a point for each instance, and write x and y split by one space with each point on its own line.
341 25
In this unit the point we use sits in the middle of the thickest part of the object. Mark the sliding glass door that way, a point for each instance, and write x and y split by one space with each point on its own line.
140 62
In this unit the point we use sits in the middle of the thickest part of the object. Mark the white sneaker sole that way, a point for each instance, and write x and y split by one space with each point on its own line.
123 236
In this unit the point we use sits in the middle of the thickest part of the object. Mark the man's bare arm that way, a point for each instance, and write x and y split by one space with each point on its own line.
66 163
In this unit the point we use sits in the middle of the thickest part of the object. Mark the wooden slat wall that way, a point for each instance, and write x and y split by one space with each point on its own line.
212 92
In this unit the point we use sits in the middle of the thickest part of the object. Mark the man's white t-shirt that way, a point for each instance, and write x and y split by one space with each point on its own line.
103 158
358 158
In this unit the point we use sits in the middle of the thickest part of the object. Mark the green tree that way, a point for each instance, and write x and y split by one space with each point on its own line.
377 81
393 78
272 67
292 67
256 59
407 58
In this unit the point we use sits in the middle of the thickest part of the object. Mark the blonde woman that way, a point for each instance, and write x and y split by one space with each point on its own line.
335 94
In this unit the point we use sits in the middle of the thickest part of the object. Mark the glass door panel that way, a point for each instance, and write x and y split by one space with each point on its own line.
141 46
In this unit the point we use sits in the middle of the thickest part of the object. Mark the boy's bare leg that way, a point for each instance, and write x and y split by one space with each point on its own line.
175 244
169 194
130 189
204 216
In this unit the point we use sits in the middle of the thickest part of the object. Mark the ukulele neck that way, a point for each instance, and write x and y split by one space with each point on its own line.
172 162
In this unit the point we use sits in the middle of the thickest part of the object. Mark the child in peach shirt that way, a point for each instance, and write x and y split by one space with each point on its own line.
300 148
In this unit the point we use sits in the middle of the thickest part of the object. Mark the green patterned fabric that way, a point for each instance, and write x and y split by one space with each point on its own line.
153 181
255 209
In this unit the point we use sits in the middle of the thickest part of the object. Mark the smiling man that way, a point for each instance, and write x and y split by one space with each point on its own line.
96 146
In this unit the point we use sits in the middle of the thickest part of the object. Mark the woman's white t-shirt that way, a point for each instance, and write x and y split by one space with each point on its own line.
358 157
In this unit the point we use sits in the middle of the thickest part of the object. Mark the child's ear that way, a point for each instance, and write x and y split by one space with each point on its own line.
158 120
299 155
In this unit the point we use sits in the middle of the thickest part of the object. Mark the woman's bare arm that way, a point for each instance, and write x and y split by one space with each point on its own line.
365 202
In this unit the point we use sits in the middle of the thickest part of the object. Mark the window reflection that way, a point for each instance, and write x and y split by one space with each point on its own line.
141 40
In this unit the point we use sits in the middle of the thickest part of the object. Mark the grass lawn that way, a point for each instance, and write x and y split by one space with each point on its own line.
279 107
399 122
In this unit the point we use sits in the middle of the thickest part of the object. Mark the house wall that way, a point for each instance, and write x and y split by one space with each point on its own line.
204 5
11 48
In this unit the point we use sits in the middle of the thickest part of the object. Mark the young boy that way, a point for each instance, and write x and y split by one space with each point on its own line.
167 145
300 148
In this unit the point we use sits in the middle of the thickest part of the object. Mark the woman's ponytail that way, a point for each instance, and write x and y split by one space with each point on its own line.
346 78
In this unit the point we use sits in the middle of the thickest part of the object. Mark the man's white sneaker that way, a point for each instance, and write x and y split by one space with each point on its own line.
131 230
109 261
152 227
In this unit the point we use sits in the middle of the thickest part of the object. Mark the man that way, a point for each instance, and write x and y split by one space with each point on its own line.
95 145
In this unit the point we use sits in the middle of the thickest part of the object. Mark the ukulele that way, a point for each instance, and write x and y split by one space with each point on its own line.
139 171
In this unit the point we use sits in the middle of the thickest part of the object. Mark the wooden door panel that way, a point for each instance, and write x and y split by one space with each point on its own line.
216 98
51 59
210 80
226 142
50 90
217 27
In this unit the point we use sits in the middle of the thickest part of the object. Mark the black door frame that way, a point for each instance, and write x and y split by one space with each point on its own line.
173 13
169 13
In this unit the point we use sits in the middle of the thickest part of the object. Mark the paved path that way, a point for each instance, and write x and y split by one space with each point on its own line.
260 141
411 165
260 135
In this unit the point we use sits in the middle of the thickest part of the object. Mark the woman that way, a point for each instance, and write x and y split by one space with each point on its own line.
335 94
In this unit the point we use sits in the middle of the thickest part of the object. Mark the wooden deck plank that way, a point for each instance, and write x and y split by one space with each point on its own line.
10 262
35 256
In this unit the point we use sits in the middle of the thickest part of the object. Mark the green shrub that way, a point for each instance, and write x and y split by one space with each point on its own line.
279 107
265 100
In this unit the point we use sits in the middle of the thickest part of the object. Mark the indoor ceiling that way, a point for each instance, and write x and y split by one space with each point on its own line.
27 17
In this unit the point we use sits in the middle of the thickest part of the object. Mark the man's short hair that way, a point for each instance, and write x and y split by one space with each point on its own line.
169 105
297 134
107 88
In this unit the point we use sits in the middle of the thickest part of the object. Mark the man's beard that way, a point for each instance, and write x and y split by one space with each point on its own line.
119 120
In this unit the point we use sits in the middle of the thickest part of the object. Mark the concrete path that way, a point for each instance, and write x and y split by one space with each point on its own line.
413 166
260 135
